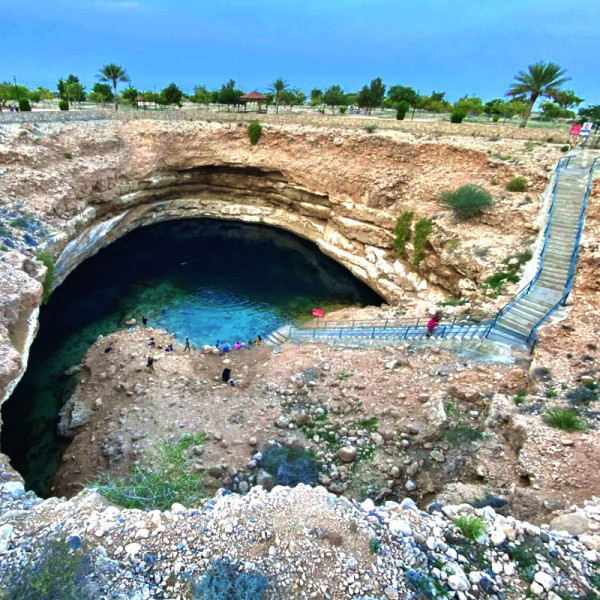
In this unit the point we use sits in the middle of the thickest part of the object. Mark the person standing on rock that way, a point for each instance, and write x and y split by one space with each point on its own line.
150 364
187 345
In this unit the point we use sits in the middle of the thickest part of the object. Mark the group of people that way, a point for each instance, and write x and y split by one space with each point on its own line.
224 348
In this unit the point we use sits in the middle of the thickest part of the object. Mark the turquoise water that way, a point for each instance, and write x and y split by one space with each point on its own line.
202 279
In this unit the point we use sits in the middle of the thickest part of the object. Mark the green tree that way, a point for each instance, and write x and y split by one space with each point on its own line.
75 92
113 73
130 95
400 93
101 93
469 105
229 95
171 95
4 94
363 99
377 89
591 113
436 102
334 96
567 99
540 80
278 86
316 97
552 111
40 94
201 95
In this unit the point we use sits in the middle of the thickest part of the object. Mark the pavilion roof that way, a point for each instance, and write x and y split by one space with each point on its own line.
253 96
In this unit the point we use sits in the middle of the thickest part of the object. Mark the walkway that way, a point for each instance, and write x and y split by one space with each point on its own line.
516 325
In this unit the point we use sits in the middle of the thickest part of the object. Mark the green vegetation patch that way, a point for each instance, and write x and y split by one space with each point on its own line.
402 231
225 580
290 465
516 184
56 571
423 228
46 258
512 265
470 527
461 434
254 132
467 200
566 419
164 477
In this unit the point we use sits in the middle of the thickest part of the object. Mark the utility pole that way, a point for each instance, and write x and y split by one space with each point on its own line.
17 90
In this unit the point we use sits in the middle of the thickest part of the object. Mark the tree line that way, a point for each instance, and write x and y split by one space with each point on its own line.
540 80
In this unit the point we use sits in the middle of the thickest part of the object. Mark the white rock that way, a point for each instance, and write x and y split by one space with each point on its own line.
133 548
400 527
142 534
458 583
545 580
498 537
368 505
5 535
537 589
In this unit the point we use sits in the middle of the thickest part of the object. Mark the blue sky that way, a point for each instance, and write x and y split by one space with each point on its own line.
461 48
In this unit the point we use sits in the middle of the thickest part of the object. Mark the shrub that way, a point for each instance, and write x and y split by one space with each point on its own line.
343 110
401 109
57 572
470 526
290 465
402 231
423 227
467 200
24 105
523 554
46 258
565 418
520 397
227 581
457 116
424 586
254 131
63 104
370 424
516 184
551 394
375 545
163 478
495 118
584 394
453 243
371 128
462 434
68 155
565 148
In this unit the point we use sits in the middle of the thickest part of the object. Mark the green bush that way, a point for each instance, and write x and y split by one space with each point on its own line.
375 545
226 580
495 118
565 418
254 132
457 116
523 554
63 104
467 200
516 184
470 526
290 465
402 231
24 105
565 148
165 477
371 128
343 110
46 258
583 394
68 155
401 109
423 227
57 571
453 243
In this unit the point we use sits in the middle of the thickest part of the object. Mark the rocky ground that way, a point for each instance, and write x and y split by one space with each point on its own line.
308 543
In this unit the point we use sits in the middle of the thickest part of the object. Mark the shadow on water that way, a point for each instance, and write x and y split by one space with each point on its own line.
204 279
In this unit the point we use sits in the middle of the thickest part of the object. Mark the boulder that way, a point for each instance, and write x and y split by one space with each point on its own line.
574 524
347 454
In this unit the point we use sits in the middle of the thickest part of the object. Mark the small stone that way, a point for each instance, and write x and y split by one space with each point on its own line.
347 454
391 593
133 548
438 456
497 537
410 486
536 589
458 583
141 534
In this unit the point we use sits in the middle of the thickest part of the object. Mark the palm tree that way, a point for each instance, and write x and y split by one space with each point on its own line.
542 79
278 86
113 73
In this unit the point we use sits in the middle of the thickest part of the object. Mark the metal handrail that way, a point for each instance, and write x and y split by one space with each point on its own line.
532 337
525 290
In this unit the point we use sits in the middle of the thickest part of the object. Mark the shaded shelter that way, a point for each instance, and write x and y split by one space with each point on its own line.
254 97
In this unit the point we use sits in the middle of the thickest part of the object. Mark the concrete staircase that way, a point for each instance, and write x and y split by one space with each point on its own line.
519 320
